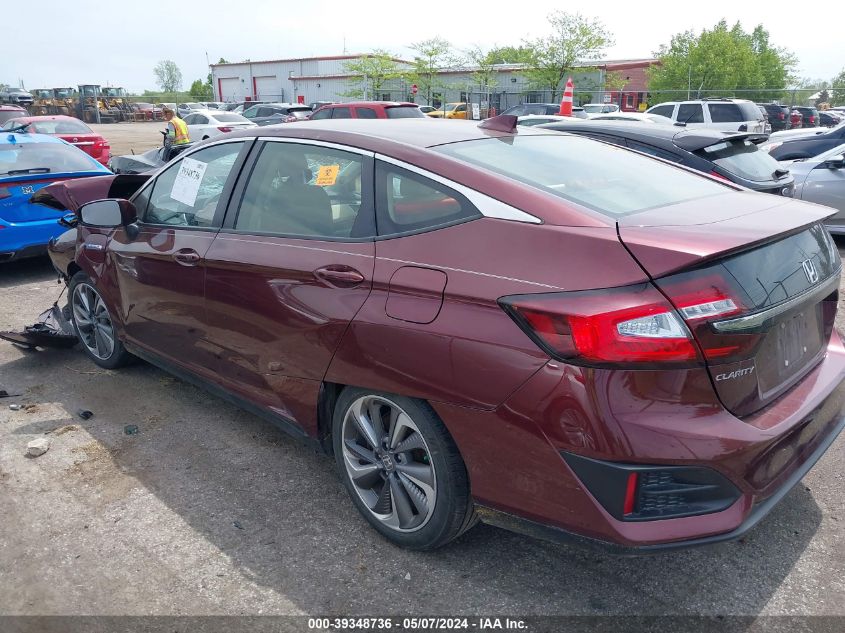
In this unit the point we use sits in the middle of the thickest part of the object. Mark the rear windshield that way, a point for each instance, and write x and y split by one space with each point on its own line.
227 117
404 112
611 180
5 115
64 126
43 158
743 159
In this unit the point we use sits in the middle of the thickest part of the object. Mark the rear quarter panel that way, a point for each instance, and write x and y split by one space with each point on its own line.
472 353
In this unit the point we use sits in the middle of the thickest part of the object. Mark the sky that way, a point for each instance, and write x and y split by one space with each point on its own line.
85 43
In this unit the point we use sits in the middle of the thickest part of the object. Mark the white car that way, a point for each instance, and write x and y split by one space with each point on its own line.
539 119
631 116
203 124
728 115
600 108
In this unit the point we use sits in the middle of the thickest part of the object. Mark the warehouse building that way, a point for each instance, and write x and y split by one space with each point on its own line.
310 79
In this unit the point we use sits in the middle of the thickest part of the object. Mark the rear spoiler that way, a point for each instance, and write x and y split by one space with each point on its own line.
693 142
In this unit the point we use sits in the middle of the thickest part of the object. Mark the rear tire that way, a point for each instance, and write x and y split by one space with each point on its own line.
93 324
401 468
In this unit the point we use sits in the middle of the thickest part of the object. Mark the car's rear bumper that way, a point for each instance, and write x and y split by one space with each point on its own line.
513 453
758 512
27 239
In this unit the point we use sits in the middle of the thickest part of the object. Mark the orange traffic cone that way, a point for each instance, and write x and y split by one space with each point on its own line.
566 101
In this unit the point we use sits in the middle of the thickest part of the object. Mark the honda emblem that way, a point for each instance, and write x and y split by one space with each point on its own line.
810 270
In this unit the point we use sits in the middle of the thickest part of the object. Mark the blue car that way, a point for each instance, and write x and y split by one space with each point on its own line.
29 162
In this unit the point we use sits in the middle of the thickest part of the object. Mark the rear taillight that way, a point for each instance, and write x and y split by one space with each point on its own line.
702 297
224 129
637 325
782 116
630 325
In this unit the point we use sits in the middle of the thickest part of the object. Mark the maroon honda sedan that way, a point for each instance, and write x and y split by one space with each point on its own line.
541 331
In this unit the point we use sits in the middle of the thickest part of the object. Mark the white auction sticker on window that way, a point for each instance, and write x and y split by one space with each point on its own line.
187 183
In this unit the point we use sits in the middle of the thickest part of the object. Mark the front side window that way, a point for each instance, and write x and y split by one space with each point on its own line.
188 192
341 113
410 202
307 191
251 113
663 110
324 113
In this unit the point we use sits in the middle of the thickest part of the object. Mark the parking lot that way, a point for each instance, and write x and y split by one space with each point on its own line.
210 510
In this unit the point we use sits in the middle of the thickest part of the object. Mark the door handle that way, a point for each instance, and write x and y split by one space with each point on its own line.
187 257
340 276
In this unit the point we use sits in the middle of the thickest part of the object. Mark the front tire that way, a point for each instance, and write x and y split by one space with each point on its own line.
93 324
401 468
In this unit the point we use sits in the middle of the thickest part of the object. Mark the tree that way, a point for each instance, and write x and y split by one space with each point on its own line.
837 92
721 61
371 73
615 82
432 56
484 76
168 76
510 55
574 39
201 90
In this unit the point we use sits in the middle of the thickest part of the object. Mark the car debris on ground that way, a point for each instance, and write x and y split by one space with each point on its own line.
38 447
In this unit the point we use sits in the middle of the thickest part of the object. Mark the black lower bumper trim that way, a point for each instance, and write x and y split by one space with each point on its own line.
760 510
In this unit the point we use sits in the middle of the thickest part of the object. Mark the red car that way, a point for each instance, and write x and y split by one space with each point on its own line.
11 112
68 129
534 329
368 110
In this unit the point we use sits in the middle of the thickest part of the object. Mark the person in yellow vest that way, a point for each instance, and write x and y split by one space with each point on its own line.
177 129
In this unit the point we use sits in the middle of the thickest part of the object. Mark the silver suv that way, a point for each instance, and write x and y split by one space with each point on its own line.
16 96
730 115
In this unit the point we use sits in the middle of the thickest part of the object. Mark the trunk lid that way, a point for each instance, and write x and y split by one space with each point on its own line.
16 194
91 144
767 275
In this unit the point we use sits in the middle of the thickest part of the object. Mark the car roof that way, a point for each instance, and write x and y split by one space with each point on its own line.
384 104
690 140
20 138
9 106
45 117
381 135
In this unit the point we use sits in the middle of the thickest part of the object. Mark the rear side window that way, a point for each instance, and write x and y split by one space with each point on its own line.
366 113
404 112
729 113
409 202
607 179
341 113
690 113
651 150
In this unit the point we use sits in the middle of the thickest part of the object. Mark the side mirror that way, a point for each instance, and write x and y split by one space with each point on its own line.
109 213
837 162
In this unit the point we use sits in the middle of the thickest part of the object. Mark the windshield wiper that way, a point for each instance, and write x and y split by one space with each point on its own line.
31 170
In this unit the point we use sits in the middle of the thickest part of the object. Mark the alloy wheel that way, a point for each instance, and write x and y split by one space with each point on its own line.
389 463
92 321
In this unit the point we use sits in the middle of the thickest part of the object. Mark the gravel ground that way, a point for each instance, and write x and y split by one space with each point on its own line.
209 510
127 137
